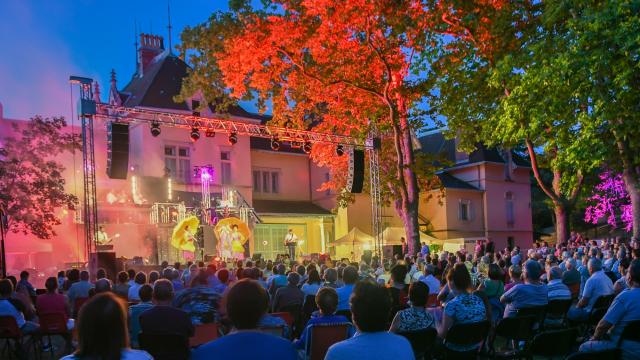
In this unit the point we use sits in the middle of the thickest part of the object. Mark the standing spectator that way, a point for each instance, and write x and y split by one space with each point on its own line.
289 295
246 303
624 309
531 293
80 289
370 306
199 301
596 286
102 331
404 247
424 251
139 280
14 308
349 276
164 318
121 288
464 308
416 317
431 281
25 285
145 293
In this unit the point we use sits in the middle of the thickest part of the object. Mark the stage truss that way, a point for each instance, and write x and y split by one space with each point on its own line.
89 110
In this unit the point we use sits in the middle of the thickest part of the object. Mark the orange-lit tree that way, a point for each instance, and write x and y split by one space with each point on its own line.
344 66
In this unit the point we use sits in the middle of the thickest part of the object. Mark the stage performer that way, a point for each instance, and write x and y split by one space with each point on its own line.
237 239
224 245
102 238
290 241
183 237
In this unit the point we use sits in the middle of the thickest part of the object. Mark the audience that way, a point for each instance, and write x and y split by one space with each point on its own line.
53 303
370 307
199 301
102 331
79 290
313 284
288 296
596 286
139 280
163 318
531 293
349 276
10 306
556 289
247 302
145 293
25 285
416 317
121 288
432 283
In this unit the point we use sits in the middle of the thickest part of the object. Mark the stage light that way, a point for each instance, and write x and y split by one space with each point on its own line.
155 129
307 147
340 150
233 138
210 133
275 144
195 134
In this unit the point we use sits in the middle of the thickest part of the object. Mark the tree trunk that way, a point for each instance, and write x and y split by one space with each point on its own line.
562 222
631 184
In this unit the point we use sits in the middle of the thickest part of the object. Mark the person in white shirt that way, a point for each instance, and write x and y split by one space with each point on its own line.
598 284
290 241
430 280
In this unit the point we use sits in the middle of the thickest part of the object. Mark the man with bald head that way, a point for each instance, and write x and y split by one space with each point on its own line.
164 318
598 284
532 293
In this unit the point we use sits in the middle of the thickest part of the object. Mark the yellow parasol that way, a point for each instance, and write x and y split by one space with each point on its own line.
229 223
184 233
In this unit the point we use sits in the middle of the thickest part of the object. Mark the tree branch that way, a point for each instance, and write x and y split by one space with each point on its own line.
536 171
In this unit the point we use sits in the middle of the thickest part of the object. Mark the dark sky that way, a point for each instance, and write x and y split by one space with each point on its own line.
43 42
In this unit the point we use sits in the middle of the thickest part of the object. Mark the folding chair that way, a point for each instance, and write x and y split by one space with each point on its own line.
322 336
422 342
10 332
466 335
203 333
77 304
52 325
554 343
272 330
519 330
165 346
557 312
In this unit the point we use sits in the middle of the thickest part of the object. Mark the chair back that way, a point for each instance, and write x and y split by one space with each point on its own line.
519 328
422 341
595 355
41 291
272 330
77 304
631 332
322 336
596 315
203 333
575 290
9 328
432 301
345 313
54 323
604 301
554 343
558 309
468 334
309 306
165 346
286 316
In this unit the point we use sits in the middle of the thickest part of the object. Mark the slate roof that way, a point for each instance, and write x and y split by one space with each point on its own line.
288 207
451 182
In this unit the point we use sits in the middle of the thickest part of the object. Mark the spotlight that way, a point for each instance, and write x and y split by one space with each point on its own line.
195 134
233 138
275 144
307 147
340 150
155 129
209 133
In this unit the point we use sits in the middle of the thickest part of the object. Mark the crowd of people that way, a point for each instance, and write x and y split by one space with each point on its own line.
379 302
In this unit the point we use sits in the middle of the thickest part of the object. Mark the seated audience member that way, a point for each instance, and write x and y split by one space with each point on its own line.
415 317
102 331
80 289
624 309
370 306
349 276
121 288
515 274
102 285
598 284
571 276
556 289
174 276
101 274
153 276
134 289
327 301
399 290
289 295
330 278
14 308
199 301
25 284
431 281
223 283
164 318
145 294
621 284
464 308
278 280
246 303
132 276
531 293
313 284
53 303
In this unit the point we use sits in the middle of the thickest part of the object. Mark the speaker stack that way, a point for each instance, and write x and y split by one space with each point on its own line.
355 179
117 150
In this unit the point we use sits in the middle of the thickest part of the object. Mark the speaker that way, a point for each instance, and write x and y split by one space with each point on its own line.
107 261
117 150
358 171
209 240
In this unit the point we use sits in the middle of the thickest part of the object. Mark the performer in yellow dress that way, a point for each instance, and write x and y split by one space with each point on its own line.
232 234
183 237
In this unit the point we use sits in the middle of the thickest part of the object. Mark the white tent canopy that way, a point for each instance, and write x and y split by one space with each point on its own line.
355 237
391 236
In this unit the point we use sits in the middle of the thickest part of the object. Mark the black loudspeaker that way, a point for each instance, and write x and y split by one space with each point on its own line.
107 261
358 171
209 240
117 150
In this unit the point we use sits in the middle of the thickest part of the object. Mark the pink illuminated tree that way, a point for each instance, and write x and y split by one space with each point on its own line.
610 200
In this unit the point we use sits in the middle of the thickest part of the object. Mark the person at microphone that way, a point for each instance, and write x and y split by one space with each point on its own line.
290 241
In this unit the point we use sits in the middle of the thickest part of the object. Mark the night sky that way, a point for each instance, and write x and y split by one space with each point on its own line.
43 42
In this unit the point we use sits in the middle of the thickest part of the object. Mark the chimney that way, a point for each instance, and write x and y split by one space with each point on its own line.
150 47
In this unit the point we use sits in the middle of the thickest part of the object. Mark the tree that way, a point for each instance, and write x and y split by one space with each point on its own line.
610 200
346 67
501 61
31 180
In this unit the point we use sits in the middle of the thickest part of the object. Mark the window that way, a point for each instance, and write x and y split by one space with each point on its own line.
177 161
266 181
269 238
225 167
509 209
464 210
